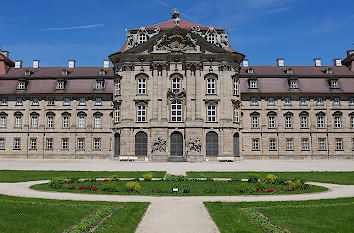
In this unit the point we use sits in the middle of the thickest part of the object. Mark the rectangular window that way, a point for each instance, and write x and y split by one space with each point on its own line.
18 122
351 101
116 114
320 122
35 102
141 116
34 122
81 144
97 144
293 84
303 122
319 101
337 122
19 102
287 101
66 101
236 114
254 101
271 121
334 84
65 144
2 144
272 144
253 84
3 101
336 101
352 143
141 86
21 85
98 121
288 122
236 86
176 84
255 144
321 144
305 144
271 101
3 122
211 113
117 87
352 121
51 101
65 121
60 85
99 84
82 122
255 122
211 86
303 101
33 144
98 101
17 144
82 101
339 144
289 144
50 121
49 143
176 111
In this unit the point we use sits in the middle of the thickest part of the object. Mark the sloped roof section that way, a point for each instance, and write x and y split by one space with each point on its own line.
182 24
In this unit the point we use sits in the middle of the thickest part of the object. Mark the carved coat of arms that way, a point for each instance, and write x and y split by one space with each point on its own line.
176 43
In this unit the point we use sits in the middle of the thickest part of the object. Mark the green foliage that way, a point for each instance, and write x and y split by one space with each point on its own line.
253 178
132 186
272 179
260 186
110 187
86 225
186 189
236 179
295 185
114 178
74 179
175 178
147 177
243 188
57 183
282 181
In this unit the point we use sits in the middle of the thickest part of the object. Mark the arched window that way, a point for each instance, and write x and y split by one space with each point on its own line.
176 84
212 144
98 120
211 38
18 119
50 120
142 38
176 111
34 120
304 119
271 119
176 144
81 119
66 119
141 144
3 119
337 119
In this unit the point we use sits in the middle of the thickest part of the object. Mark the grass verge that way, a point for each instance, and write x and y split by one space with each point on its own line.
325 177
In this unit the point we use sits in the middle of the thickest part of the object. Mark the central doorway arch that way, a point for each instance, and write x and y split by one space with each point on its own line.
141 144
212 144
176 144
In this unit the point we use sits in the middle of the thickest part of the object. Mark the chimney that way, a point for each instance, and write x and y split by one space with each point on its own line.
280 61
337 62
317 61
35 64
5 53
106 64
18 64
245 62
72 63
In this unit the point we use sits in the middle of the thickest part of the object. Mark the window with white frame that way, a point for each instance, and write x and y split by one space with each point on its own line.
66 101
99 84
3 120
236 86
236 114
34 121
176 84
211 38
18 121
2 144
211 113
352 121
320 121
82 101
35 101
49 144
272 144
50 121
321 144
33 144
82 120
176 111
97 144
141 113
271 121
117 87
305 144
336 101
289 144
116 113
254 121
141 85
337 122
60 84
17 144
254 101
81 144
303 120
351 101
51 101
19 101
255 144
288 122
3 101
319 101
339 143
98 120
293 84
253 84
303 101
98 101
211 86
271 101
287 101
142 37
21 85
66 119
334 84
65 144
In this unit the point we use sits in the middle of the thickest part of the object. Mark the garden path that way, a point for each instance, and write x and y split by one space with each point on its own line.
170 213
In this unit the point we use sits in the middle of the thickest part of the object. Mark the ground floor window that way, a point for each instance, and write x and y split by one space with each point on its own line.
305 144
65 144
272 144
255 144
322 144
212 144
33 144
2 144
97 144
289 144
141 144
17 144
49 143
339 144
81 143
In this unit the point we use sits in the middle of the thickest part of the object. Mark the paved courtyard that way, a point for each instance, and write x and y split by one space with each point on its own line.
178 168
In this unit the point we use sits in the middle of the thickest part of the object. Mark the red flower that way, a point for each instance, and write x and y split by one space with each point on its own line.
106 180
229 181
68 181
94 188
81 187
270 190
259 191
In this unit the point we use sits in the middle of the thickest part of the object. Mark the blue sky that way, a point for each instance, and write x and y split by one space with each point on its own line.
88 31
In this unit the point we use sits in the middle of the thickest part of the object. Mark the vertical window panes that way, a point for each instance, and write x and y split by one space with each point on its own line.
255 144
211 86
141 116
272 144
98 101
3 101
64 143
65 121
336 101
236 114
289 144
82 101
117 86
176 111
18 122
81 144
305 144
319 101
66 101
35 102
211 113
82 120
2 144
141 86
50 121
322 144
176 84
339 144
320 122
254 121
116 114
19 101
271 120
34 120
271 101
17 144
337 122
254 101
287 101
236 86
288 122
33 144
51 101
49 143
3 122
303 122
98 120
97 144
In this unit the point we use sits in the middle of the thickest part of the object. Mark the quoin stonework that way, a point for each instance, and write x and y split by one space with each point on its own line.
177 91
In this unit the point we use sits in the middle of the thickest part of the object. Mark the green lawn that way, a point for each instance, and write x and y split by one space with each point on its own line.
334 215
325 177
11 176
42 215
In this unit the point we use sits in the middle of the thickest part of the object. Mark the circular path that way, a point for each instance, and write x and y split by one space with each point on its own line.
171 213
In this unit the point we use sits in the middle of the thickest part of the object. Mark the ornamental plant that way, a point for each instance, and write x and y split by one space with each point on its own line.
132 186
95 188
271 179
270 190
81 187
110 187
186 189
56 183
253 178
175 178
295 185
260 185
147 177
114 178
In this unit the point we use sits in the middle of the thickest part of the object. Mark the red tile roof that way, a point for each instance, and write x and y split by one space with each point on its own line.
182 24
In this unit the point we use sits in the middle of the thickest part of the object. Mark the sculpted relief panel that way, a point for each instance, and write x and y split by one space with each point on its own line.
176 43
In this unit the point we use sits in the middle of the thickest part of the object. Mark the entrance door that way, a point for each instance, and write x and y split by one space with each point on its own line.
212 144
116 144
141 144
176 144
236 145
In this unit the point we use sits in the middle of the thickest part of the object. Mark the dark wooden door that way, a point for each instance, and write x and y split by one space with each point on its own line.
236 145
176 144
141 144
116 144
212 144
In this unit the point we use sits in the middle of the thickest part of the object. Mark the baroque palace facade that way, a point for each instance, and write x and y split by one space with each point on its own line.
177 92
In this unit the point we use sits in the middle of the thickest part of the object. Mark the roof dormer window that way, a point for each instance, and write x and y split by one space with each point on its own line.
102 72
60 85
64 72
289 71
334 83
99 84
28 72
211 38
250 71
21 85
328 71
142 38
253 84
293 84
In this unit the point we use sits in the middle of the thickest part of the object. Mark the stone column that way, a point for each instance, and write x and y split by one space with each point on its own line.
165 110
155 92
198 85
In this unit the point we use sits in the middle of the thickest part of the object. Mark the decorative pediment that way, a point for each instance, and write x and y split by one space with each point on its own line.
179 95
176 43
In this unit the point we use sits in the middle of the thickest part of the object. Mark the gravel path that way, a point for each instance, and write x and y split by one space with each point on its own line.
174 214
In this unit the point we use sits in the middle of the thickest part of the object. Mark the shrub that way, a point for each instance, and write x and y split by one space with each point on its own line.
298 179
295 185
92 180
186 189
110 187
81 187
236 179
57 183
253 178
69 186
260 186
74 179
132 186
209 179
114 178
95 188
270 190
243 188
271 179
175 178
281 181
147 177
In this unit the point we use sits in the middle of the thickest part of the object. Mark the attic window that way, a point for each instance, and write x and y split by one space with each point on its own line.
293 84
328 71
334 83
253 83
99 84
21 85
211 38
250 71
28 72
142 38
102 72
64 72
60 85
289 71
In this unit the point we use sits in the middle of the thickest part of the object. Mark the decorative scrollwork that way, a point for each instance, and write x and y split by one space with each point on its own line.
176 43
159 145
179 95
194 145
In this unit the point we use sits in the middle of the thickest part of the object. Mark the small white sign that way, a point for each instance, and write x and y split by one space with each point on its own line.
175 189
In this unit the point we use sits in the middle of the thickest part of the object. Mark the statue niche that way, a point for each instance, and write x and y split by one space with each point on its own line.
176 43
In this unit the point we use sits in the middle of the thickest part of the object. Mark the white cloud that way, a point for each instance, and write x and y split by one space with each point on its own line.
74 27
